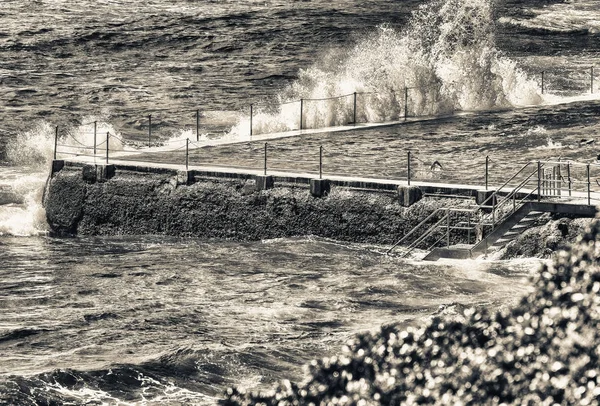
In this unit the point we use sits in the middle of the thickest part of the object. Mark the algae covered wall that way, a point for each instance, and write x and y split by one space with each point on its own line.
154 203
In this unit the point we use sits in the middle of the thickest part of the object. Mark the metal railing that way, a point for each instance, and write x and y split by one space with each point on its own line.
544 182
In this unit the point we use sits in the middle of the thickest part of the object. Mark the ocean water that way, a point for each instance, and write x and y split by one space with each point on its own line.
161 320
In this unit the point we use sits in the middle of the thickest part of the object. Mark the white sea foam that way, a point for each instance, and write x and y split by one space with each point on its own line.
25 216
568 16
446 57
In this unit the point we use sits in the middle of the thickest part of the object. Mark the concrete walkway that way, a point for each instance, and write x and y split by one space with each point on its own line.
375 184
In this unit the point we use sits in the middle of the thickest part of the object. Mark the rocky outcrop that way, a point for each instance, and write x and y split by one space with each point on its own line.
546 239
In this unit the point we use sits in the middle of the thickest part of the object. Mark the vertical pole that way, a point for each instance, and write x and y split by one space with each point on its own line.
588 182
95 129
569 176
448 228
197 125
539 173
55 141
469 229
354 114
321 162
408 173
301 108
487 165
265 159
559 179
592 79
514 201
250 120
187 152
149 129
405 102
542 82
107 136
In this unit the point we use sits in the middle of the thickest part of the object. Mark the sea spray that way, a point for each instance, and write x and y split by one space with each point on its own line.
446 57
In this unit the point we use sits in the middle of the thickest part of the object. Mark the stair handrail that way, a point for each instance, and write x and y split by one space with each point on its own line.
483 204
414 229
475 209
517 189
423 236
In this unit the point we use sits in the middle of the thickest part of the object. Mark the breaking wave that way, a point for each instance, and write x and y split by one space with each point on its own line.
446 57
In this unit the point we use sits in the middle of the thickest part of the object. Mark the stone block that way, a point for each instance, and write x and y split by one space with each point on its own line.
89 173
185 178
264 182
409 195
320 187
57 166
104 172
482 196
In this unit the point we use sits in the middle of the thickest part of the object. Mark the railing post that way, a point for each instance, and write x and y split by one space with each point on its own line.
320 162
301 108
107 137
354 112
487 164
251 120
265 159
405 103
448 228
588 183
559 178
55 142
408 172
569 176
95 129
197 125
542 82
149 129
469 229
187 152
539 187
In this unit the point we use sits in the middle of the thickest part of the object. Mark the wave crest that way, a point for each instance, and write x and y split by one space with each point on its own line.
446 57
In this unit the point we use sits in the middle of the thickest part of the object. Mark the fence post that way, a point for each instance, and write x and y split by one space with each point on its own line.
405 102
55 142
251 120
301 108
95 128
539 173
197 125
542 82
354 113
487 164
408 173
149 128
569 176
107 136
588 182
265 159
187 152
320 162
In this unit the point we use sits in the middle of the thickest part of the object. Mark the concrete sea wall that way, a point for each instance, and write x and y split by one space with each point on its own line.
90 200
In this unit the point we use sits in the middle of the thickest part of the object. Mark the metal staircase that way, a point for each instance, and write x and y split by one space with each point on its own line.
467 232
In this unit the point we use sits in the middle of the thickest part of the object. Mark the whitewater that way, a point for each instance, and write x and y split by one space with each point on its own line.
165 320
